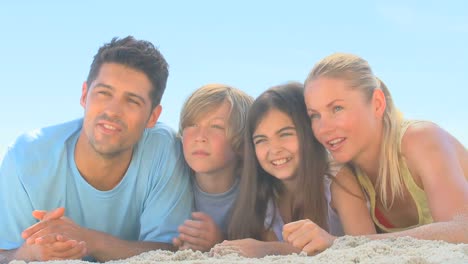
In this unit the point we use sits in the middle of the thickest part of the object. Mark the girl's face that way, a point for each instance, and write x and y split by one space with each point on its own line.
342 118
277 145
207 148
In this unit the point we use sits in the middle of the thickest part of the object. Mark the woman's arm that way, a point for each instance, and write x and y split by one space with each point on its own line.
437 163
350 203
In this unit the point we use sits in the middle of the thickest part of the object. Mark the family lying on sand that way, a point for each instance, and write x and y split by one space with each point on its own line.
288 172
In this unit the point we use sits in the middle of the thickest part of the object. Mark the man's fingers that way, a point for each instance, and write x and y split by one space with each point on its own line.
55 214
39 214
46 215
82 251
28 232
47 239
70 249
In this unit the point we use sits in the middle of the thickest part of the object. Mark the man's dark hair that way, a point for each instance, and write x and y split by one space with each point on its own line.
140 55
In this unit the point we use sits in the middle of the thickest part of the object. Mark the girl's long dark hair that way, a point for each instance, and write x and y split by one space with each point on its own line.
257 187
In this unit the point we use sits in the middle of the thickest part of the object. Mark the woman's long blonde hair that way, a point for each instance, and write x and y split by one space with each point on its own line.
357 72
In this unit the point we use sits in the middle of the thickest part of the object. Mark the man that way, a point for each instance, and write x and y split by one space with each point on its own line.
108 186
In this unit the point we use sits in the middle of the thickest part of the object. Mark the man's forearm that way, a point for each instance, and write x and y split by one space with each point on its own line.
104 247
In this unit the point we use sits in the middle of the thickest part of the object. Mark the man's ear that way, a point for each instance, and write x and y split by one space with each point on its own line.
84 93
379 102
154 116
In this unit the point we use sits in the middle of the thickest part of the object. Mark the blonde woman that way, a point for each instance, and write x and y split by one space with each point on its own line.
413 172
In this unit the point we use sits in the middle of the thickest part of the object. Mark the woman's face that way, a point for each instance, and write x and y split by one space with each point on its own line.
342 118
277 145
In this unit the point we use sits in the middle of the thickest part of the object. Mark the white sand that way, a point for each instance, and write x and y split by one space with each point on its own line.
344 250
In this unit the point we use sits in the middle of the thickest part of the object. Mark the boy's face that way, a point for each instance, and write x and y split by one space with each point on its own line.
117 109
207 149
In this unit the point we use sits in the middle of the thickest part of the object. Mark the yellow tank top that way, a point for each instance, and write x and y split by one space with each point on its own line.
418 195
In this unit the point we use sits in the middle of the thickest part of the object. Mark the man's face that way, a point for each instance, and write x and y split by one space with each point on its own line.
117 109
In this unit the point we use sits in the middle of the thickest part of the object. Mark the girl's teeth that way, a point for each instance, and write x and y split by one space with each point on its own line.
280 161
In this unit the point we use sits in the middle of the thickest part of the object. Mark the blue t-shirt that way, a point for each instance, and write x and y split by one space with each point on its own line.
39 172
217 206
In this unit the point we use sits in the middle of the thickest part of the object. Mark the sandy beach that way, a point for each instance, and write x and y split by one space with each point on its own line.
345 250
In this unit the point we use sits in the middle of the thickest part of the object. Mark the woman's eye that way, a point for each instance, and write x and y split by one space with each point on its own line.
337 108
314 116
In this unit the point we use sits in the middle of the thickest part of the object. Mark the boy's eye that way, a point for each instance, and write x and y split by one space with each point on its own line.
217 126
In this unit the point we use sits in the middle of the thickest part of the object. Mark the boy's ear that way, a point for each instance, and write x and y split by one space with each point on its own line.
379 102
154 116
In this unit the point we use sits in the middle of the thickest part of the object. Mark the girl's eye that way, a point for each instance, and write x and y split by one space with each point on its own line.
258 141
337 108
286 134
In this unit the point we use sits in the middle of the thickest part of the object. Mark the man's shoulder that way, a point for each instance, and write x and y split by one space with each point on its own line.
160 134
162 128
160 144
44 139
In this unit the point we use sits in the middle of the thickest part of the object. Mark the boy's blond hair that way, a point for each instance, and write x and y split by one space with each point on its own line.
211 96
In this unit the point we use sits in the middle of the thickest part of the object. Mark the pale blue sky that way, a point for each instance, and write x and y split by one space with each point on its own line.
418 48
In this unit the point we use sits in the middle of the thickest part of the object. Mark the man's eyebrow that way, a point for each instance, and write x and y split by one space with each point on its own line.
104 86
107 86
